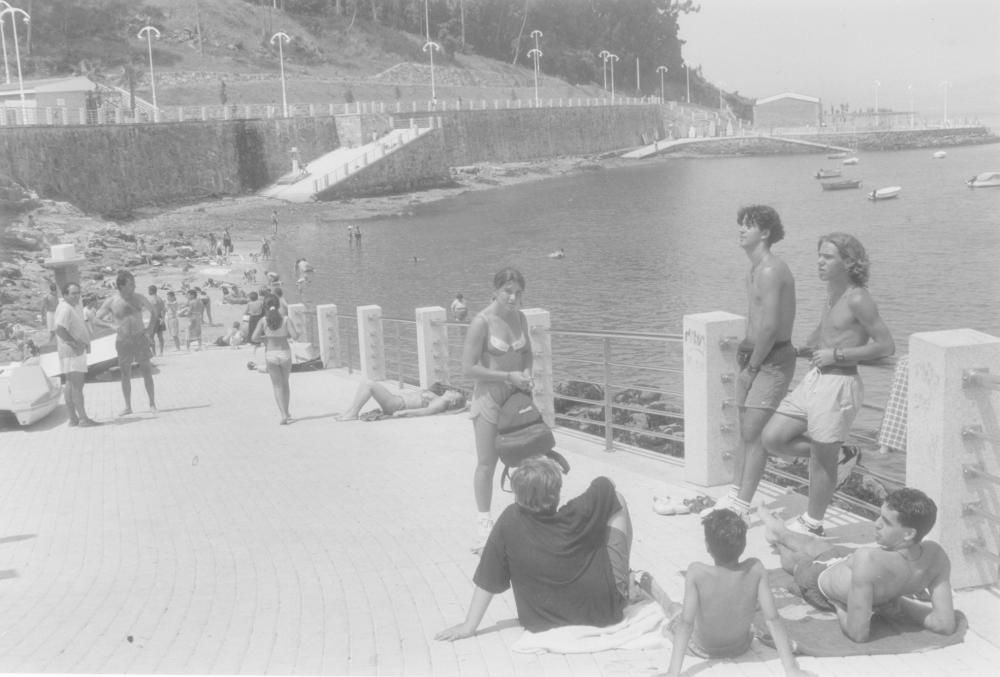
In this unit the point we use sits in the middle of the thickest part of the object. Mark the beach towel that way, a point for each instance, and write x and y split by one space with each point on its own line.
379 415
818 633
641 628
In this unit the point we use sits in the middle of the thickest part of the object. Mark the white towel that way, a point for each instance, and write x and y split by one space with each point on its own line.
640 628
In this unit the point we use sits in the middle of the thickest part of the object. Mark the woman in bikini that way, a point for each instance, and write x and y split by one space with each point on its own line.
275 329
405 403
497 356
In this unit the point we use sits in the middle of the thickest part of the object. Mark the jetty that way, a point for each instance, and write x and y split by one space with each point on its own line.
702 142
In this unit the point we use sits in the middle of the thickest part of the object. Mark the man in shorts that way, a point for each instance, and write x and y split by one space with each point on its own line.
161 325
132 343
567 566
815 420
858 583
766 357
72 345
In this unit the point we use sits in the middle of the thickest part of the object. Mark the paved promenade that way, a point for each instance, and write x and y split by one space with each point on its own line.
209 539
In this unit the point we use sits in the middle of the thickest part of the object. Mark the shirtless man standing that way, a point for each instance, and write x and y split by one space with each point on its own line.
859 583
815 420
766 356
132 343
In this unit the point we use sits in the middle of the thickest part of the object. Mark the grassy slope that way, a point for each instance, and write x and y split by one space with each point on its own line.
321 64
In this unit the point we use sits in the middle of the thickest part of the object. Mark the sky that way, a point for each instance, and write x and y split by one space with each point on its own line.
837 49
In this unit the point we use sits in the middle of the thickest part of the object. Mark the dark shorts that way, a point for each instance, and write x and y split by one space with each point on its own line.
770 385
806 576
133 349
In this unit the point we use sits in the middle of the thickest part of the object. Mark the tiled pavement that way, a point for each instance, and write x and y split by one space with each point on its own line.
209 539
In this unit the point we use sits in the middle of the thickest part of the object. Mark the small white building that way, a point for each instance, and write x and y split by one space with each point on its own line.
787 110
60 95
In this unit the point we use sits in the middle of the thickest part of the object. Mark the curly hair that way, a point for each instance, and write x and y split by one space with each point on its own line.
916 510
725 535
765 218
853 253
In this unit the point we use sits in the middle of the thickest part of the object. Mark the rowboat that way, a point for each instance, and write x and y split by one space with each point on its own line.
28 392
836 156
851 161
984 180
939 155
886 193
827 173
841 185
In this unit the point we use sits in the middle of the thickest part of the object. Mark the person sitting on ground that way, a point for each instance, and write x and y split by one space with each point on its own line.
567 566
880 579
435 400
720 600
234 338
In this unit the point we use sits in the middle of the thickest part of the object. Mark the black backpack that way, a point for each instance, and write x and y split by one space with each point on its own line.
521 433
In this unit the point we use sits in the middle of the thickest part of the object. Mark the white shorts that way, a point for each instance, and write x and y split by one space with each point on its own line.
75 363
828 403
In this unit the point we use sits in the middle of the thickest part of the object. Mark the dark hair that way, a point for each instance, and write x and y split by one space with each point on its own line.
853 253
152 289
916 510
253 296
193 293
52 286
65 289
123 278
765 218
278 291
272 306
440 389
508 275
171 294
725 535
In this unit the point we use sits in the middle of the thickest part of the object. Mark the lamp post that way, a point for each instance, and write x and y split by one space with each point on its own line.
148 31
877 85
687 76
661 70
14 11
3 40
430 46
944 121
909 88
604 54
612 58
282 38
537 54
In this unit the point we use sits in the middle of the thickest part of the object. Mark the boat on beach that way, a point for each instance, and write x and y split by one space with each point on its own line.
28 392
827 173
851 161
102 356
984 180
846 184
886 193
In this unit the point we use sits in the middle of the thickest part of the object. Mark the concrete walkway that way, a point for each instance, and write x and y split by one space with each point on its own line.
666 146
209 539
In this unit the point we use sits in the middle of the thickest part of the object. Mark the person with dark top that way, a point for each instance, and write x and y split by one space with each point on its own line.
357 234
254 312
567 566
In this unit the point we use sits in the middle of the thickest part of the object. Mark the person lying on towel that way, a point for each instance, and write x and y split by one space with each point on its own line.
437 399
567 566
880 579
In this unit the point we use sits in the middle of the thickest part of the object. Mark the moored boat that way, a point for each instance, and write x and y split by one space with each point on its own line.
940 155
28 392
886 193
841 185
984 180
851 161
827 173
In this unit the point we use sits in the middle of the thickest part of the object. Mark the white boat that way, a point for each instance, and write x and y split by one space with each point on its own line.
851 161
939 155
886 193
984 180
28 392
102 356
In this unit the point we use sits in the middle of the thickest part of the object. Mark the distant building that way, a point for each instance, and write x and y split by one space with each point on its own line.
60 95
787 110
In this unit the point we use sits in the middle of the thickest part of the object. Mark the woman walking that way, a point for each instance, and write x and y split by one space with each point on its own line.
497 356
275 329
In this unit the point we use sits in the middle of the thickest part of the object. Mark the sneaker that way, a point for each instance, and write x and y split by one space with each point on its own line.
722 503
668 505
850 456
799 526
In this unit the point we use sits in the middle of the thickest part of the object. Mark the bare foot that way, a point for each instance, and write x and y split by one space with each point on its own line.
347 417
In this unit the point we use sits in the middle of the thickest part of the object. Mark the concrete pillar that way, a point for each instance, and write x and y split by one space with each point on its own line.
710 434
432 346
297 317
329 334
952 425
65 265
539 323
371 342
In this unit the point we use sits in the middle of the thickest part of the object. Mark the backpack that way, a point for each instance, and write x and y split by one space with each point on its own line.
521 433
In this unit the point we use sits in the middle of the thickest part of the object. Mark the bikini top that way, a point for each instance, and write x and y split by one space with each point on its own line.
280 332
498 347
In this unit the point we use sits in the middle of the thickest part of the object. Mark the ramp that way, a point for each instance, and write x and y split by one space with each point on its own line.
664 146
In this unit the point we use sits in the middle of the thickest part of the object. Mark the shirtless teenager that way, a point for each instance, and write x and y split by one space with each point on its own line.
815 420
859 583
766 357
132 343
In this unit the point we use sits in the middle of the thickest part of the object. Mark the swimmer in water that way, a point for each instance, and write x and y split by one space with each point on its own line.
558 254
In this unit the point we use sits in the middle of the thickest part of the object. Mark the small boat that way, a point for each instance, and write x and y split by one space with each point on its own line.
28 392
836 156
851 161
841 185
827 174
886 193
984 180
102 356
940 155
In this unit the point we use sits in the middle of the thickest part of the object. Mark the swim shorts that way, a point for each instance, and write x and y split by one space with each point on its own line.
828 400
806 576
484 401
132 349
770 385
73 363
695 648
279 358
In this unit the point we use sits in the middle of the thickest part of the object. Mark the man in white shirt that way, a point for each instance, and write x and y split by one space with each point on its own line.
73 342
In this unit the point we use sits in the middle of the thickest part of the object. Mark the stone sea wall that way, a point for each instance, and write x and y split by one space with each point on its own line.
115 168
905 138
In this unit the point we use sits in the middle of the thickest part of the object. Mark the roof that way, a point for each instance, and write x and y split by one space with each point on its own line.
787 95
74 83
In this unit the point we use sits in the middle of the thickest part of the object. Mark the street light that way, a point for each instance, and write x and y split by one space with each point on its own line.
945 84
537 54
877 85
687 75
604 54
3 39
612 58
148 31
430 46
282 37
14 11
661 70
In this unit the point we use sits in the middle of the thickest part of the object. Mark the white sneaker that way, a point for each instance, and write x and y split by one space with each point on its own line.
799 526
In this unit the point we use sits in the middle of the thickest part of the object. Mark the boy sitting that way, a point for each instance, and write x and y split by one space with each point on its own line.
720 601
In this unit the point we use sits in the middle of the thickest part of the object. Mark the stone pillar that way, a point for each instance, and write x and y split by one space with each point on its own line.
297 318
432 346
65 265
329 334
539 322
710 433
952 425
371 343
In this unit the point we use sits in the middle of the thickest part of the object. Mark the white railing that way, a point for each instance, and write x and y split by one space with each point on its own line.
368 155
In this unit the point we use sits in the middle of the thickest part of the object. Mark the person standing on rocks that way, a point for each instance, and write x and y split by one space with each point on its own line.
49 305
161 325
73 344
132 343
